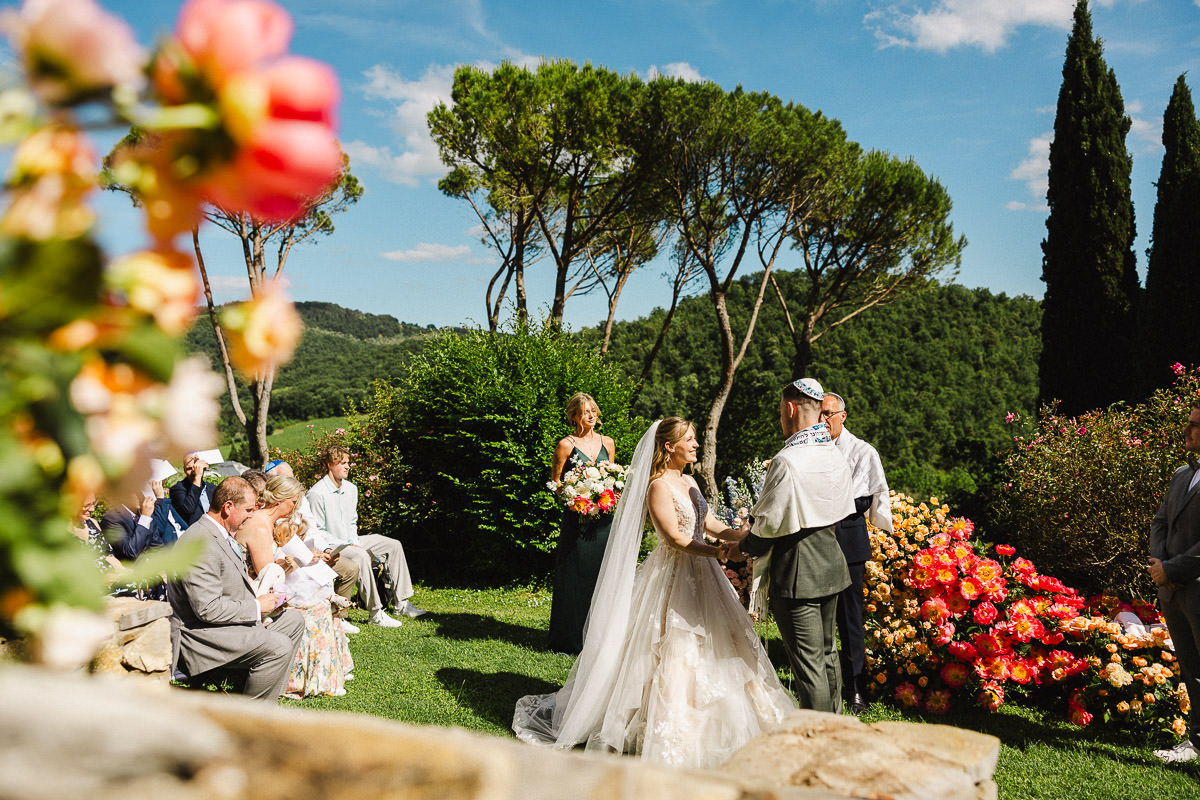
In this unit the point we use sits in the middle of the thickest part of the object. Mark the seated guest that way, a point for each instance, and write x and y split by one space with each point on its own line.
223 623
88 531
347 571
334 504
153 524
269 534
258 479
192 497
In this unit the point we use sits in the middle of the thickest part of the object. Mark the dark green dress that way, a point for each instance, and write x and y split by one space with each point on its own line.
577 560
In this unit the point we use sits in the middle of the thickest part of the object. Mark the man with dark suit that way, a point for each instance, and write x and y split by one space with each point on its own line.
871 500
806 490
1175 568
223 623
149 522
192 497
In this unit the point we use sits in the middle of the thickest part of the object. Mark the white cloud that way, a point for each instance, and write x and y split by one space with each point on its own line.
682 69
1146 134
942 25
1034 170
416 158
426 252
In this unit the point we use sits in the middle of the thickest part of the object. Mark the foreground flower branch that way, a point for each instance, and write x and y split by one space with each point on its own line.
91 381
954 623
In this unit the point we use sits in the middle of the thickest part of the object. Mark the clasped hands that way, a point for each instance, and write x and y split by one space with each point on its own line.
729 549
1158 574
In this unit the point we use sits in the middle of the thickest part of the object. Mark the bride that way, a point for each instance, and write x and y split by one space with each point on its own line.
671 668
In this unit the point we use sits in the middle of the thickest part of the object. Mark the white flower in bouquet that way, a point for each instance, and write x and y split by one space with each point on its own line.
592 490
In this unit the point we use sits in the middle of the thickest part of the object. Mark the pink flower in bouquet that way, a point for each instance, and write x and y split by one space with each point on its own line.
957 604
1051 639
1078 715
1026 629
921 577
1005 549
1021 608
74 48
1020 671
990 644
607 499
935 610
581 504
955 674
993 668
938 701
923 558
1024 566
992 696
963 651
1045 583
960 528
970 587
996 590
985 613
944 634
988 571
945 574
908 695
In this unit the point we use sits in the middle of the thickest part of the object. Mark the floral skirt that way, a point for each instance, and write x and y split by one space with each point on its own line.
323 658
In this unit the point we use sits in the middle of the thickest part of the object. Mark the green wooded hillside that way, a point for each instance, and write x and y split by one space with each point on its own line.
927 379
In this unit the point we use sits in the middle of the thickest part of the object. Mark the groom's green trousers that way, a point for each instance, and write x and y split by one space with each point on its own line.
806 627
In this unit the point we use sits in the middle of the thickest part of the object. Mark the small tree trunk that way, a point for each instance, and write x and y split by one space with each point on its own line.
708 462
230 380
612 311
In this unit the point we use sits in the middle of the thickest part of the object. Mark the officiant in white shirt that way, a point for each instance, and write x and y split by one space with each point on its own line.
871 501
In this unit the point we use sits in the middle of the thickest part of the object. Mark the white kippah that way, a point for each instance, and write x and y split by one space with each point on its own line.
810 387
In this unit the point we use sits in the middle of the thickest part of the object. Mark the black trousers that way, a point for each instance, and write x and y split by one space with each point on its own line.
851 633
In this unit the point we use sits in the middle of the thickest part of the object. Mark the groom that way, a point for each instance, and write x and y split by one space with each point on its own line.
807 489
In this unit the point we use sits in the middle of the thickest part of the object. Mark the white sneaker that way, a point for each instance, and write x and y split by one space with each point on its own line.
347 627
384 621
1184 751
409 610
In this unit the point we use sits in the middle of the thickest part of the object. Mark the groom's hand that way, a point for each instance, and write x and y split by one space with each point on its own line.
731 552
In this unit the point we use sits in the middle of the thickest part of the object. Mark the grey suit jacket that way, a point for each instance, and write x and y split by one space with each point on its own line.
215 603
1175 534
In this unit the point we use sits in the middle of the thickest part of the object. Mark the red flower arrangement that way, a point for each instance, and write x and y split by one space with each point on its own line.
949 625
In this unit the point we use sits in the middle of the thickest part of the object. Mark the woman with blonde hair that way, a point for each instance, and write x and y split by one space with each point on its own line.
671 669
273 538
581 542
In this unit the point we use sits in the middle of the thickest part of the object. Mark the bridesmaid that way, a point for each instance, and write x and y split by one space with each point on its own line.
581 542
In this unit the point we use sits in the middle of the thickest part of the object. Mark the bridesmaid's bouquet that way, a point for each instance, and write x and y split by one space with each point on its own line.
592 490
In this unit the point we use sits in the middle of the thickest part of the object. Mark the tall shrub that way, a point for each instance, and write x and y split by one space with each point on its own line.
476 422
1077 494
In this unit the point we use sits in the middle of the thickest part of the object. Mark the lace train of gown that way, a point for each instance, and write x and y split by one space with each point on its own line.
694 683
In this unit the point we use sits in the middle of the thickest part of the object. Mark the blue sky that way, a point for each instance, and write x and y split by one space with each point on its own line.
965 87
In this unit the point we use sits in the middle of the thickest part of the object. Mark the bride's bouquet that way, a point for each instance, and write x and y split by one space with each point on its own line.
592 490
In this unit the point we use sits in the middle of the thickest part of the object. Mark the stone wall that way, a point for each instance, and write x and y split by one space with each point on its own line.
71 735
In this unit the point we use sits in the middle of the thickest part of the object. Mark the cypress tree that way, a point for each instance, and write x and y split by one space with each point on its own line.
1088 313
1171 306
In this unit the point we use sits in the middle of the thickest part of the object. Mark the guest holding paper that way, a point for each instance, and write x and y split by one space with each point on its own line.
192 497
287 567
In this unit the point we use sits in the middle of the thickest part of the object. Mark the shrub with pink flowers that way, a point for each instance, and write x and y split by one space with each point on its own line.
954 623
1077 494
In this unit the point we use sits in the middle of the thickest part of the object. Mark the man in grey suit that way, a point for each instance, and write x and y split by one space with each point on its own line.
806 490
223 623
1175 568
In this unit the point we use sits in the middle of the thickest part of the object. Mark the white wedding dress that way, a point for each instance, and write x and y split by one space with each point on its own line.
691 684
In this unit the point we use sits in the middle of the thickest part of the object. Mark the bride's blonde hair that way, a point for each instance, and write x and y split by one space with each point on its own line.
670 431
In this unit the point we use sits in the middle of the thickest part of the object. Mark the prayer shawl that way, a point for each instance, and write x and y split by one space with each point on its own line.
807 485
869 480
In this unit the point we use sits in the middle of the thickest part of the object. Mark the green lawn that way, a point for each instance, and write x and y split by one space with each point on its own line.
477 651
297 436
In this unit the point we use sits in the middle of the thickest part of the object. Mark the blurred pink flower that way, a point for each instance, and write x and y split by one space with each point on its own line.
74 48
263 332
160 283
1009 417
228 36
1177 368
